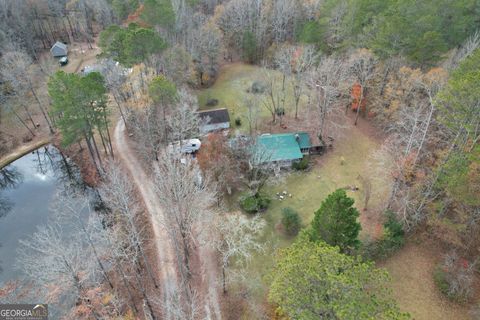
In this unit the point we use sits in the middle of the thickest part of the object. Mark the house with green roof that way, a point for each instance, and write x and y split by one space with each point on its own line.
282 148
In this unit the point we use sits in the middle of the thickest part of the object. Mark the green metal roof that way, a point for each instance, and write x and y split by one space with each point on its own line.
284 146
304 140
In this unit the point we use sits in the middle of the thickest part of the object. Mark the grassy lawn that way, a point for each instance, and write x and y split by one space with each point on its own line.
327 172
310 188
230 90
338 168
411 270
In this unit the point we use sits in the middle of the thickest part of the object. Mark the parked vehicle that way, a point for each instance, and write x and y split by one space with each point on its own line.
63 61
185 146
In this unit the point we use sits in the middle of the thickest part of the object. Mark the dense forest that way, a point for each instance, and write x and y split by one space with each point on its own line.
409 70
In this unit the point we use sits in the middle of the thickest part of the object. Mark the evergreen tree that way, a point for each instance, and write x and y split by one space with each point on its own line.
79 105
163 93
312 280
159 13
131 45
336 222
249 46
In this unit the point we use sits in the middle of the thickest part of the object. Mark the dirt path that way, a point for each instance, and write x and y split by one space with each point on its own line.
22 150
166 262
209 272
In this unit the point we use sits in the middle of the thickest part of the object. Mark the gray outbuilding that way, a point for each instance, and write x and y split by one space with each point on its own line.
213 120
59 49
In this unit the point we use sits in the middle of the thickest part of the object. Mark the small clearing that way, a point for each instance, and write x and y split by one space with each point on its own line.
411 270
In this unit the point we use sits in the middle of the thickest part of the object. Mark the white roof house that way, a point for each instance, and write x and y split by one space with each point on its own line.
59 49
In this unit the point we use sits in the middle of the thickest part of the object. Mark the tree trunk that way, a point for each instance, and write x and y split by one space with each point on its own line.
108 135
96 151
94 249
103 141
427 126
91 152
120 109
359 105
41 109
127 287
224 280
23 122
29 116
145 296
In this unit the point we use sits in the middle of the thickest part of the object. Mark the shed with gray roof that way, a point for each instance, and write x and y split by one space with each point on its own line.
59 49
212 120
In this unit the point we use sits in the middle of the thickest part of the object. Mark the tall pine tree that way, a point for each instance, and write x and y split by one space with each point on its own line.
336 222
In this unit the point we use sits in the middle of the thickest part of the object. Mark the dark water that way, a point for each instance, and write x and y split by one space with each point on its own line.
27 188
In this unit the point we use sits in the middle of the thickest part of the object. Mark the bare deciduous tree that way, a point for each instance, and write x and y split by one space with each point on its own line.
62 267
282 19
183 123
186 198
253 113
148 131
115 77
325 83
362 67
16 70
119 194
237 240
459 54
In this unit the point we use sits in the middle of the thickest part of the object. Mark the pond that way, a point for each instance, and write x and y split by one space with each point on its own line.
27 188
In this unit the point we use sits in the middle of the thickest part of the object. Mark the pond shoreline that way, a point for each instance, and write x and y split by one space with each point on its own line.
23 150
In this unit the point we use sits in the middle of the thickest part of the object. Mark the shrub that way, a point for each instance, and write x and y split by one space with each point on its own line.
249 204
238 122
258 87
291 221
454 277
439 277
392 240
263 202
255 203
280 111
212 102
302 164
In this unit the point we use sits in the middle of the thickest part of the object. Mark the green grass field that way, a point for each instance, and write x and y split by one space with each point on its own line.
351 155
231 88
308 189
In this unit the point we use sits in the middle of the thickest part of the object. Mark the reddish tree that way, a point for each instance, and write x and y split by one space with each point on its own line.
216 160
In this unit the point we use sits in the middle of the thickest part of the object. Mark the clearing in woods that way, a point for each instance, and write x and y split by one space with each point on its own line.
411 270
351 155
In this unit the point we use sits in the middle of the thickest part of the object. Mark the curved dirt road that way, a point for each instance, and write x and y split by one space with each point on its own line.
165 266
165 254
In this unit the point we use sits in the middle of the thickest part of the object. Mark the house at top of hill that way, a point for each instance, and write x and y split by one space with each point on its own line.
282 149
212 120
59 49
